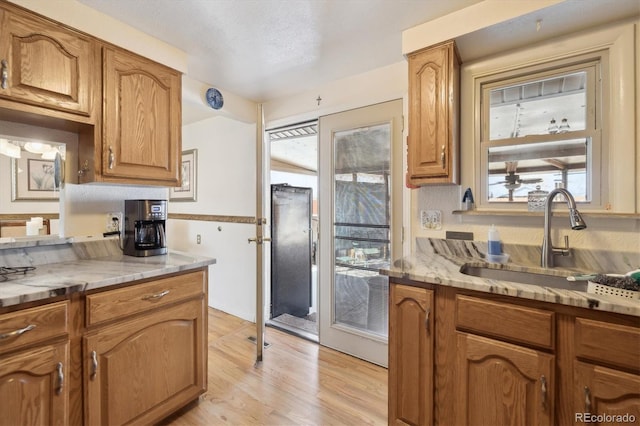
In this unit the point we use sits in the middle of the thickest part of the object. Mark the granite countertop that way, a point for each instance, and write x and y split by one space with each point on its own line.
70 267
439 262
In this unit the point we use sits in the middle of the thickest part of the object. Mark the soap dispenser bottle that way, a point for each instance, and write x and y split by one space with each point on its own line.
494 241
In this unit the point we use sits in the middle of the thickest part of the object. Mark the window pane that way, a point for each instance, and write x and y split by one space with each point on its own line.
538 107
514 170
362 227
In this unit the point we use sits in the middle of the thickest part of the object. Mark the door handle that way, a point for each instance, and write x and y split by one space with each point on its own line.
259 240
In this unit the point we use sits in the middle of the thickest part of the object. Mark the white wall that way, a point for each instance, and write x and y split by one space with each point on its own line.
226 185
84 208
232 279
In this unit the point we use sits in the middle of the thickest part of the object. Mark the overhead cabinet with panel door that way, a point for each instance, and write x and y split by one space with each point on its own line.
126 109
141 119
46 65
434 81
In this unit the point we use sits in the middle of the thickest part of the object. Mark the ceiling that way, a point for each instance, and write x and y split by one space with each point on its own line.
268 49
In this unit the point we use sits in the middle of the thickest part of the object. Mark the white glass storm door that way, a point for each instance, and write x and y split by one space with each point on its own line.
360 154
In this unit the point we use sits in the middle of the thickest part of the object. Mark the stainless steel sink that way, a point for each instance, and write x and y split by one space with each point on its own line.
552 281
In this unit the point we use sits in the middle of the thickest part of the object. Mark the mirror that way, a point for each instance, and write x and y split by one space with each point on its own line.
33 163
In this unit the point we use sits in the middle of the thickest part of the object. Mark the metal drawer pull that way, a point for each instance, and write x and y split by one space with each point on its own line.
112 158
17 332
156 296
543 390
59 367
94 365
587 399
443 157
4 80
426 319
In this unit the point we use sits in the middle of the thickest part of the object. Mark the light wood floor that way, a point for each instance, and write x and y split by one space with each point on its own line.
298 382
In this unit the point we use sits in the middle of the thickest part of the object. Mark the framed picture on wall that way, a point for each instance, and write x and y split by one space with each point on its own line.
33 178
188 176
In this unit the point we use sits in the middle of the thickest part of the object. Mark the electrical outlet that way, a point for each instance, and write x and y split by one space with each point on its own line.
431 219
198 239
114 222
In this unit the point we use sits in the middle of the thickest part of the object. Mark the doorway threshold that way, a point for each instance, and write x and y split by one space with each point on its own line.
293 330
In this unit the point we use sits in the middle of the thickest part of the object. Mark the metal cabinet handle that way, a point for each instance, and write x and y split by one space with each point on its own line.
17 332
112 158
4 80
587 399
443 157
543 391
156 296
60 370
94 365
426 319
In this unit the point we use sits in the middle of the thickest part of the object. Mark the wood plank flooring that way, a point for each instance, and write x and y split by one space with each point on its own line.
298 383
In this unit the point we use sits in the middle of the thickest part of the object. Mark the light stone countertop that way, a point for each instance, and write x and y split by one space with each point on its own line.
439 262
70 267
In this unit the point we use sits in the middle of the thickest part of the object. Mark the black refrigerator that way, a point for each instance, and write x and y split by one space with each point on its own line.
291 250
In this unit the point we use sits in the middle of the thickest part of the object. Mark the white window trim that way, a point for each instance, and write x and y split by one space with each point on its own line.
595 65
617 188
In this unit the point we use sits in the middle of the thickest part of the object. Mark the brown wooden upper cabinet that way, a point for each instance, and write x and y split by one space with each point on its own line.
141 138
45 64
434 81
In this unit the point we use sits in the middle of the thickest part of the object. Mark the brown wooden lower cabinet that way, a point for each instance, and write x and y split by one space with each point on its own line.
143 369
133 354
33 390
502 384
410 355
459 357
605 395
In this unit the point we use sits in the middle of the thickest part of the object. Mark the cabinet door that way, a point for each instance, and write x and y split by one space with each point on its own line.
411 356
601 391
142 120
33 388
433 83
46 64
143 369
502 384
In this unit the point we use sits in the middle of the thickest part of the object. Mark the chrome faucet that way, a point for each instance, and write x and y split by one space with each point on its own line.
548 250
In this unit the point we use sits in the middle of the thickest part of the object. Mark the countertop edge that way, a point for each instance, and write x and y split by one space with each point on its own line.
526 291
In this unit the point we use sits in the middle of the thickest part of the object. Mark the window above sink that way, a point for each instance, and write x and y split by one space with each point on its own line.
541 129
505 146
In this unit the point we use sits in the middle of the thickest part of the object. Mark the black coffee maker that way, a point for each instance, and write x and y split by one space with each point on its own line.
144 227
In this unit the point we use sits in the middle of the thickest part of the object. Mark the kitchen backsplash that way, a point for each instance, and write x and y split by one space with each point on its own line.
609 234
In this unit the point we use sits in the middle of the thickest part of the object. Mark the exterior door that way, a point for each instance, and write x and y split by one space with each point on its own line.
360 219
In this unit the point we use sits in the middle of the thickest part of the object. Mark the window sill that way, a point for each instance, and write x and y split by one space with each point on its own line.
520 213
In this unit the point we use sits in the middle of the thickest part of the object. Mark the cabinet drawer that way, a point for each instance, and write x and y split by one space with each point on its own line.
33 325
506 321
113 304
609 343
